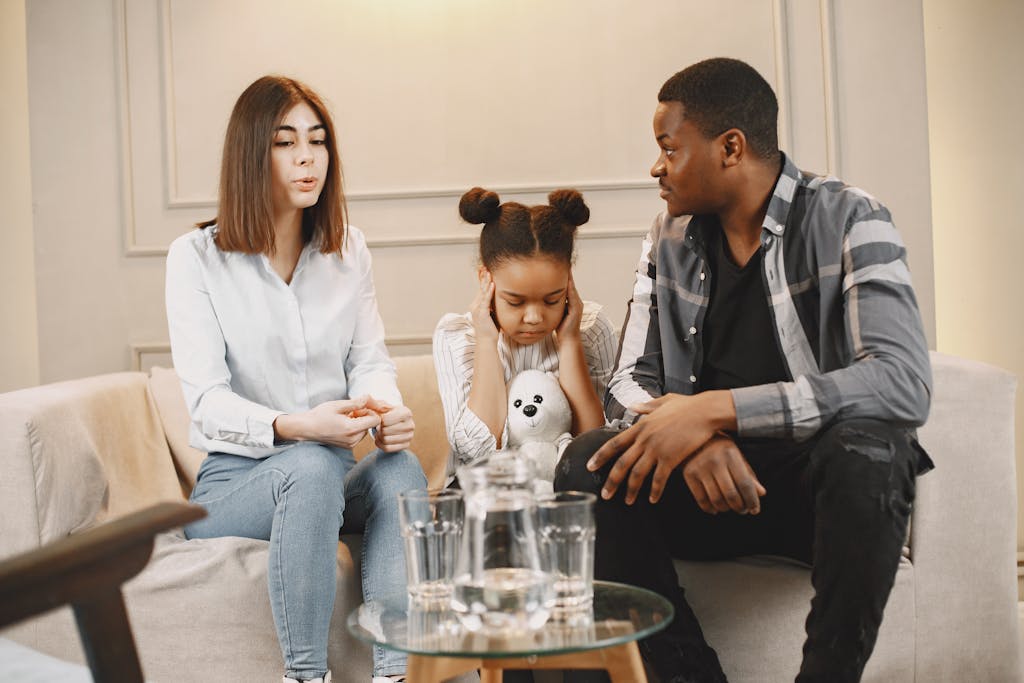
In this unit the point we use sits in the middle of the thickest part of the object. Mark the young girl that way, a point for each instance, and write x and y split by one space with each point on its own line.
526 315
276 337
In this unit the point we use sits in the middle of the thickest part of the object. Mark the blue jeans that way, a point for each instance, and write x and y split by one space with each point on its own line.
301 500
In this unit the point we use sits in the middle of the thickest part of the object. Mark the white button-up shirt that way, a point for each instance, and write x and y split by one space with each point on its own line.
249 347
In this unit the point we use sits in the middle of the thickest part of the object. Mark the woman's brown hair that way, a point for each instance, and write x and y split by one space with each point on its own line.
512 230
245 212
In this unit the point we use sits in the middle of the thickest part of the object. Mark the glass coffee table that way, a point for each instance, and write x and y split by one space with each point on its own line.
439 647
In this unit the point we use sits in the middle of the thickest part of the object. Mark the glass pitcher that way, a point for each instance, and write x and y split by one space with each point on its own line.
500 582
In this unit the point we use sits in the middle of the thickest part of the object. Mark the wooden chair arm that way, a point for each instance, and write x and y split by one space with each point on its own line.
86 570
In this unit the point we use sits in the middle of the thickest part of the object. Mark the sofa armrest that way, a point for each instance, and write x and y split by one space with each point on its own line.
75 453
964 532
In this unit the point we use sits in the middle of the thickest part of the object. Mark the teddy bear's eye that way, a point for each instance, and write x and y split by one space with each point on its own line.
538 398
517 403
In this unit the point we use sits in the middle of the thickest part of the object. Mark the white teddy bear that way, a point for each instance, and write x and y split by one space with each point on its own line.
539 420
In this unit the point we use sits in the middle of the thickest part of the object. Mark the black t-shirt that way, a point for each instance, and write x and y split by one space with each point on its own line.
739 346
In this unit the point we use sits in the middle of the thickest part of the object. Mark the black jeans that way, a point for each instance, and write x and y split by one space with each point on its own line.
840 502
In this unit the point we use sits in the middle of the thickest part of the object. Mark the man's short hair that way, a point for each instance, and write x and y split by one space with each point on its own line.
721 93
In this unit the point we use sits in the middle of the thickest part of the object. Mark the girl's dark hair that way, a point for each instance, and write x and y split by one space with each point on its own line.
512 230
245 212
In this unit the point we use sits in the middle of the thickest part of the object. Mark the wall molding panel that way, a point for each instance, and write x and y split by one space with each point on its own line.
150 43
429 100
830 88
145 355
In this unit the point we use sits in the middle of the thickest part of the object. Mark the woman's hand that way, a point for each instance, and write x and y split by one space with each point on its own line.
482 308
568 331
334 423
396 428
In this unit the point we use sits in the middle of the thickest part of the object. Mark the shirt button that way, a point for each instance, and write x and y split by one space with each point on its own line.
702 276
693 378
693 330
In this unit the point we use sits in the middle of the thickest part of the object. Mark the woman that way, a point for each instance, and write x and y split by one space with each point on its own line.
277 340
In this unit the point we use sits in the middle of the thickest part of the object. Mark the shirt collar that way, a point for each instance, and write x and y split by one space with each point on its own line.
307 251
782 198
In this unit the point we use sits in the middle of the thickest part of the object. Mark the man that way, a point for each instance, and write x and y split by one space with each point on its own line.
772 368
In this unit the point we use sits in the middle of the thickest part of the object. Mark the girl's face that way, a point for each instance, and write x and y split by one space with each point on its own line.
530 297
298 160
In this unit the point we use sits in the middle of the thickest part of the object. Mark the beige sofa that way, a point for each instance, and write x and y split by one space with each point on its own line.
75 453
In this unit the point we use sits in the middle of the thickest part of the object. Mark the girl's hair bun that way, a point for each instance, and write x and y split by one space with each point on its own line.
479 206
570 204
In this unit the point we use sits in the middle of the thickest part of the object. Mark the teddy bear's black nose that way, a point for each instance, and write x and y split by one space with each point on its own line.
530 410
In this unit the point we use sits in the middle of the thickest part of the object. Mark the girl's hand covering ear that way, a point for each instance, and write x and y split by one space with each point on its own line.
482 309
569 328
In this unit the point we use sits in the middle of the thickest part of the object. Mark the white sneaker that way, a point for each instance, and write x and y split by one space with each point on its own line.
396 678
325 679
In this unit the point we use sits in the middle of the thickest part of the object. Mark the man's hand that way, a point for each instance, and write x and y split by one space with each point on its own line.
394 433
721 479
672 428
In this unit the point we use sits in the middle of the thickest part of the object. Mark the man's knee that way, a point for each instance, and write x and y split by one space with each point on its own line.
863 440
571 473
866 456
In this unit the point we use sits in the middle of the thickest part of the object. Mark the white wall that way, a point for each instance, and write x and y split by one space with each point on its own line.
129 102
19 343
975 100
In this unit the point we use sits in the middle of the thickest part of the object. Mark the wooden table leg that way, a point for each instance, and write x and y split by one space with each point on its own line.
424 669
490 675
624 663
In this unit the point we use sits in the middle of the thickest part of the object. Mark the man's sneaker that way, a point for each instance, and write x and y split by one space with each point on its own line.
397 678
325 679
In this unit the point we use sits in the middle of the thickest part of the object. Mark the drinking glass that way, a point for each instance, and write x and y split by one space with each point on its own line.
567 530
431 523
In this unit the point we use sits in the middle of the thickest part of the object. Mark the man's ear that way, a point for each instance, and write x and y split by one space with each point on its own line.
733 146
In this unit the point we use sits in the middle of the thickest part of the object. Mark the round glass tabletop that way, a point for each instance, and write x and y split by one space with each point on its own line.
620 614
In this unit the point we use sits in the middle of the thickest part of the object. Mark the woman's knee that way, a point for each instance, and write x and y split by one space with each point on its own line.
314 468
397 472
571 473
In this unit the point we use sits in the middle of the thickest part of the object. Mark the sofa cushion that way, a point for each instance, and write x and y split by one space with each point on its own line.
753 610
210 596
